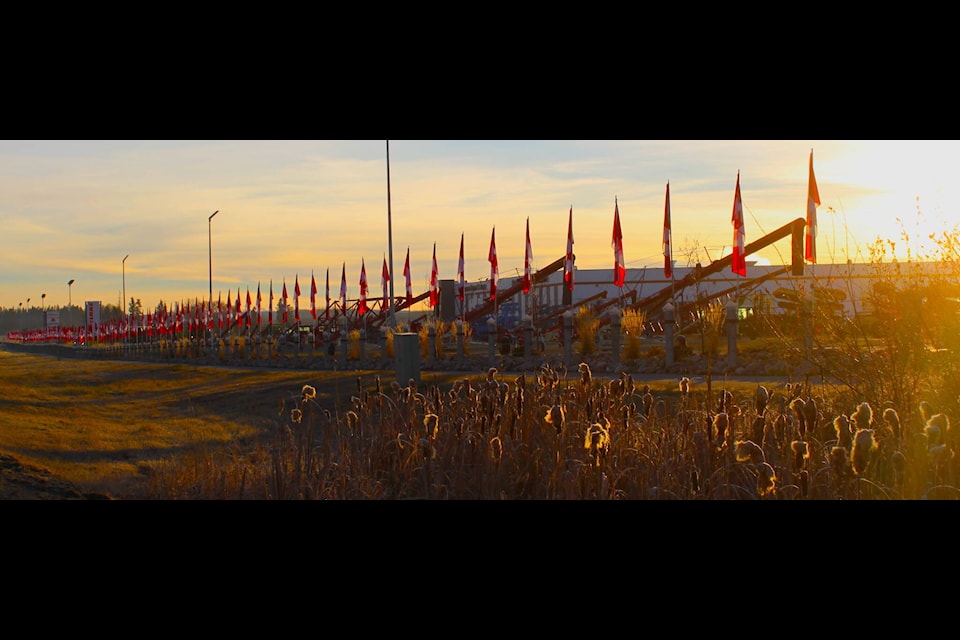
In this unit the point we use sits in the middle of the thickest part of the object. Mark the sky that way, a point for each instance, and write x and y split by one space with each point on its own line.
133 216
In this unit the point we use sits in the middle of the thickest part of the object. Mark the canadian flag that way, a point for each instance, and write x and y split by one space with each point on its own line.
296 298
343 288
283 300
434 293
460 279
568 263
259 302
362 306
619 270
738 262
313 296
494 267
406 274
270 308
384 279
667 253
527 258
813 201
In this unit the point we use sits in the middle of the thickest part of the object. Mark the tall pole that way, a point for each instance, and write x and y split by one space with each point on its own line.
210 258
123 308
70 297
393 306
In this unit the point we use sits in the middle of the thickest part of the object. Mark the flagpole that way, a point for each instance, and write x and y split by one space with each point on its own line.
393 313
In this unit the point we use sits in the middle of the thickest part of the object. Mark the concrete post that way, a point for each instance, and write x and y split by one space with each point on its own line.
363 347
732 319
344 342
669 322
527 337
406 352
615 325
492 339
461 335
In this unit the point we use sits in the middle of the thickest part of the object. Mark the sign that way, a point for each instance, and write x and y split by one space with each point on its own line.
51 319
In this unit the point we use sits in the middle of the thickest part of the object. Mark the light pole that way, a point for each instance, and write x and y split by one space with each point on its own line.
210 259
43 319
70 297
123 309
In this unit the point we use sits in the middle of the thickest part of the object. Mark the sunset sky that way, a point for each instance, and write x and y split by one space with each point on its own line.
291 208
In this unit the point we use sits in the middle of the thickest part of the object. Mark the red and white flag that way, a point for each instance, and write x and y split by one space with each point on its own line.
296 298
667 235
326 311
619 270
813 201
527 258
249 304
384 280
738 264
460 280
343 288
362 306
237 316
283 301
568 263
434 293
494 267
406 274
313 296
270 308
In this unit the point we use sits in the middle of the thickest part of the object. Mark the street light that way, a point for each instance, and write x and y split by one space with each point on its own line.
123 309
70 297
210 259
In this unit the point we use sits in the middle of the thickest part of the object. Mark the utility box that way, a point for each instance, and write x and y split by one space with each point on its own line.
406 354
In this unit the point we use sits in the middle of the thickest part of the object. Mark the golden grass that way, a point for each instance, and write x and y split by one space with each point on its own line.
107 426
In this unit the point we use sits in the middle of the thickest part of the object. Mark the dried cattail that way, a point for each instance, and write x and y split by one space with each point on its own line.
720 423
351 419
810 415
926 411
296 416
616 388
761 398
863 416
431 422
627 382
308 392
749 451
892 418
647 400
695 480
864 444
801 453
803 479
766 479
797 405
725 400
936 429
841 425
556 416
585 375
685 386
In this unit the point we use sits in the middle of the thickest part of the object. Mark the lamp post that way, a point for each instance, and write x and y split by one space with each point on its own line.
123 308
210 259
70 297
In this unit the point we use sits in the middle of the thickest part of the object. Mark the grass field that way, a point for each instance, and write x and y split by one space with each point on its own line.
106 426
